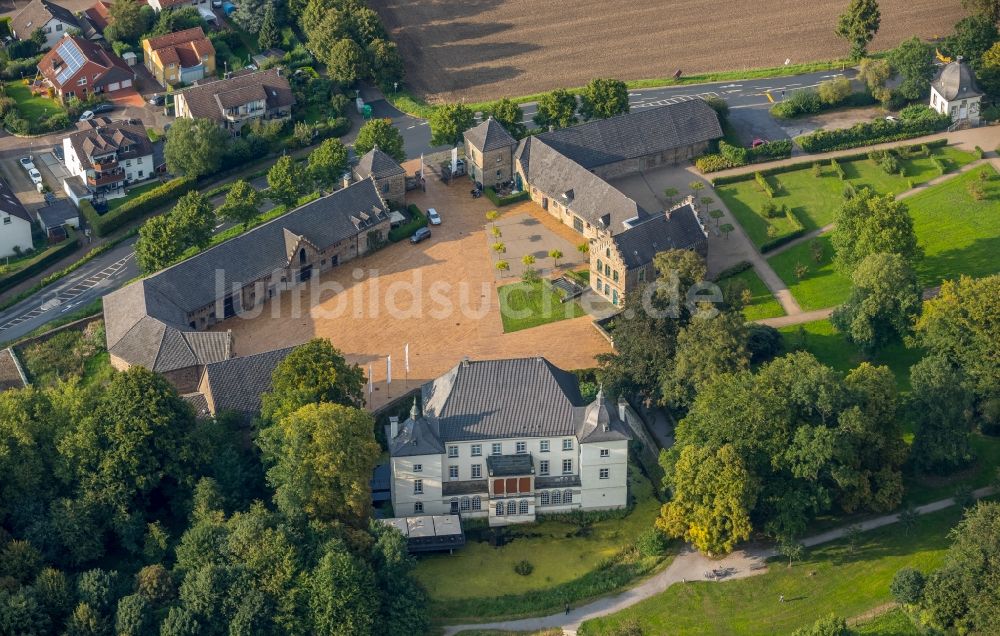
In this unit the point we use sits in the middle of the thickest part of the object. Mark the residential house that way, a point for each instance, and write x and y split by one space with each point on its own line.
238 99
622 262
77 67
160 5
159 321
507 440
954 92
98 16
179 58
15 223
54 20
489 150
106 156
389 176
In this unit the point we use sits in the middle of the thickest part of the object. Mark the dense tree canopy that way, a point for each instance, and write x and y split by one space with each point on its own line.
448 122
603 98
913 60
940 406
858 24
885 299
313 373
509 115
556 109
194 147
327 163
286 181
381 133
869 223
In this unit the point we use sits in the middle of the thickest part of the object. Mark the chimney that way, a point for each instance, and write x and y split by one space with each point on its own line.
393 427
465 361
622 405
346 179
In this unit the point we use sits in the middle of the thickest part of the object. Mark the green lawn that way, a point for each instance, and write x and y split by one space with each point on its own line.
526 305
763 304
822 286
133 192
830 347
34 108
893 623
959 234
478 570
831 579
815 200
982 472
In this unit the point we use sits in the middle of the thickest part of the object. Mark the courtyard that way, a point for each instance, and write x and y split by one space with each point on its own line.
439 297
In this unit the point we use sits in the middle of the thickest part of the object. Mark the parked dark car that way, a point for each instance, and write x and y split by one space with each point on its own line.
157 99
58 152
104 107
421 234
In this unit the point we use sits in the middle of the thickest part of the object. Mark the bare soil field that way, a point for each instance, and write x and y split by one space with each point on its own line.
487 49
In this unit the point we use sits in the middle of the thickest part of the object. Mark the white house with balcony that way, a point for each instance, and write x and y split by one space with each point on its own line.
104 156
508 440
954 92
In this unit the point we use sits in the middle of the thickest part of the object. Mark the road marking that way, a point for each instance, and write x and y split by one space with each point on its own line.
769 97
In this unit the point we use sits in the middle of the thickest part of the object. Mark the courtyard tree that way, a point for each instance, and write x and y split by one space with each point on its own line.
885 299
381 133
718 215
286 181
492 217
583 248
327 163
726 229
603 98
312 373
913 60
448 122
858 25
869 223
502 266
555 255
194 217
499 247
697 186
159 244
194 147
556 109
509 115
242 204
320 460
670 194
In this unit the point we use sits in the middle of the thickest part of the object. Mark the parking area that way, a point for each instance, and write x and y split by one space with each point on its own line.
372 307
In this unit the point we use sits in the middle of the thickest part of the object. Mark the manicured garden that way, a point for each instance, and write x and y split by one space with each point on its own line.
762 304
833 578
133 192
959 234
529 304
814 198
472 583
38 111
814 282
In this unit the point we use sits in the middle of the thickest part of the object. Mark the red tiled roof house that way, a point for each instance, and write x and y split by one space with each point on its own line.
77 67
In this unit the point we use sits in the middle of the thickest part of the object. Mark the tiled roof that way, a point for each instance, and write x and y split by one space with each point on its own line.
956 81
489 135
567 182
378 164
236 384
99 15
208 99
185 47
36 14
678 228
10 204
525 397
101 136
113 68
260 251
637 134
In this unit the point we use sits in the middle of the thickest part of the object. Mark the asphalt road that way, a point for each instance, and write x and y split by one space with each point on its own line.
112 269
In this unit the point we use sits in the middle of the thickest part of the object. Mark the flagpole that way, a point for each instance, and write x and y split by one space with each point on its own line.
388 376
406 368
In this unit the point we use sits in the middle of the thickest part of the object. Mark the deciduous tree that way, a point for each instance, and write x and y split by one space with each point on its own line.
242 204
381 133
194 147
556 109
973 36
858 25
342 595
346 62
940 405
327 163
913 59
286 181
603 98
448 122
385 63
194 216
313 373
509 115
160 243
870 223
885 300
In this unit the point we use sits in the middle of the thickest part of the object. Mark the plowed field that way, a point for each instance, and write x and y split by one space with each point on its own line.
485 49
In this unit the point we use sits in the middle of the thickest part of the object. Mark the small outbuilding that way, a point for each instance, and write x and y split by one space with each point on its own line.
54 217
430 533
954 92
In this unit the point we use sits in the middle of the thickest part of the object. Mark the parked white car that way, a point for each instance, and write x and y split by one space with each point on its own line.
87 115
27 163
433 217
36 176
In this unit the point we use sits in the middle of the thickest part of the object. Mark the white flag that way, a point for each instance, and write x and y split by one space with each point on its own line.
371 383
388 369
406 352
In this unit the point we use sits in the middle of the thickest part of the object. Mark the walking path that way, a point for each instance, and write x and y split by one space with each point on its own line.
796 319
802 239
691 565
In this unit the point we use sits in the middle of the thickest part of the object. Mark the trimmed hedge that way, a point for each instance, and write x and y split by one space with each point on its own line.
135 208
735 156
874 132
500 201
781 240
738 268
41 261
792 167
406 230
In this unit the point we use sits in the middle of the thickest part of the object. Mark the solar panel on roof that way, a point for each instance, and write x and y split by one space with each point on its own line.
71 57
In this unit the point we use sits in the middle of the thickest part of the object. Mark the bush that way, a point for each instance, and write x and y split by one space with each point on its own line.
137 207
769 150
524 567
833 92
763 343
735 155
652 543
886 160
781 240
803 102
762 182
738 268
914 122
907 586
837 169
406 230
711 163
497 200
14 69
978 152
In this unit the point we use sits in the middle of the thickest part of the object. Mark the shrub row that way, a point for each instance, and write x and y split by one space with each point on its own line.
405 230
41 261
873 132
765 187
791 236
767 172
500 201
133 209
730 156
738 268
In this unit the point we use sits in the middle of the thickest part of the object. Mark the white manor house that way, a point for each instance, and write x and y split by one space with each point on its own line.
509 439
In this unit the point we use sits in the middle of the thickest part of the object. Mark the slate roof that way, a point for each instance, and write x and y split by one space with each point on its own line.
378 164
10 204
489 135
636 134
599 422
956 81
236 384
57 213
418 435
557 481
198 402
572 185
523 397
467 487
101 136
677 228
185 48
36 14
209 99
